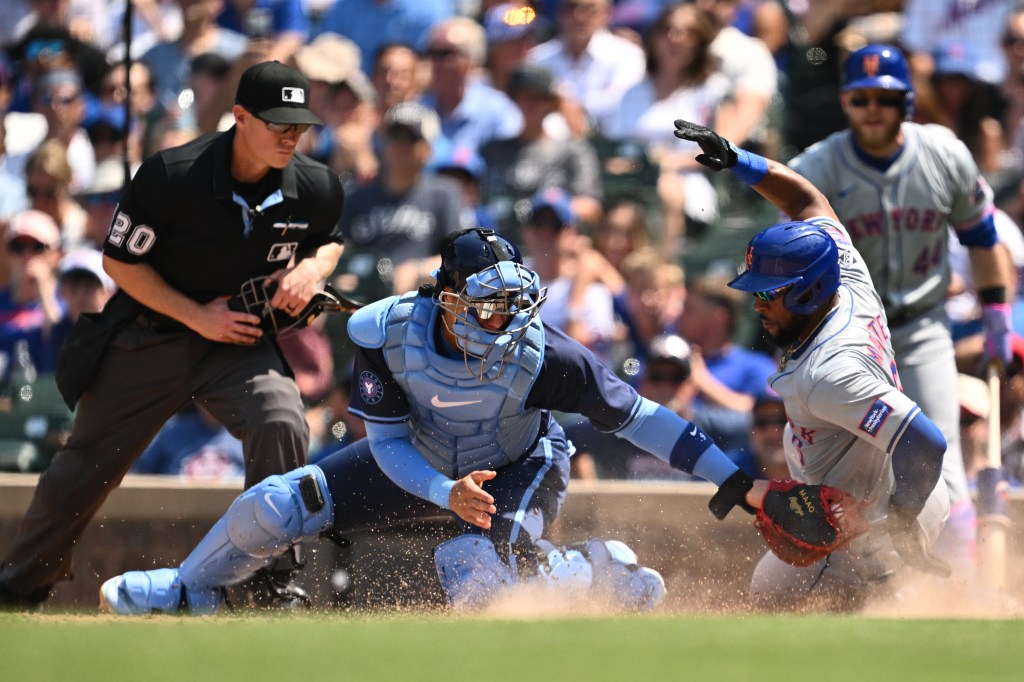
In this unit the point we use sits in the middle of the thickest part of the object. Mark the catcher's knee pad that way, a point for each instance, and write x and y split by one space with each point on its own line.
470 570
260 525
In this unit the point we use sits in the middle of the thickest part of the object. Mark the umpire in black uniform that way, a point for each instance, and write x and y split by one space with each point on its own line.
195 223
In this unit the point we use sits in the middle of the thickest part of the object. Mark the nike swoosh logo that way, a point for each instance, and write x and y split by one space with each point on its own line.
437 402
270 503
694 432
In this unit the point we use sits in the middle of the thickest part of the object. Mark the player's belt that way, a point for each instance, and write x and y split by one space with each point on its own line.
156 324
905 315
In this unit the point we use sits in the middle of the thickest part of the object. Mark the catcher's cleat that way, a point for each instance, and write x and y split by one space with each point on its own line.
619 576
141 592
275 590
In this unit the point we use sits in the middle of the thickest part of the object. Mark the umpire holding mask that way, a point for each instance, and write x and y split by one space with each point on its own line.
195 223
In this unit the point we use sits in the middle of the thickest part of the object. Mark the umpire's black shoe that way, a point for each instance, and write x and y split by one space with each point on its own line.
9 601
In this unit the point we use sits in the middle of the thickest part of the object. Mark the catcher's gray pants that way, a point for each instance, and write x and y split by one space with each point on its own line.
145 377
927 367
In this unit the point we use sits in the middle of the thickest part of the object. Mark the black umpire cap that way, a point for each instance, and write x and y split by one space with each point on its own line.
276 93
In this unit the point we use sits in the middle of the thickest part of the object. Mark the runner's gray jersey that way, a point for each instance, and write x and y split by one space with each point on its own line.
898 219
842 392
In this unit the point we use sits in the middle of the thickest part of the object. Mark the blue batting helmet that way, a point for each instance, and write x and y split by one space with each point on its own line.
796 254
879 66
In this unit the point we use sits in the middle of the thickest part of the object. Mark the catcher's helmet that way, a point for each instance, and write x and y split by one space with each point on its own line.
482 275
879 66
467 252
796 254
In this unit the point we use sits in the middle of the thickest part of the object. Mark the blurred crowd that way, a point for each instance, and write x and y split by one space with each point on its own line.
550 121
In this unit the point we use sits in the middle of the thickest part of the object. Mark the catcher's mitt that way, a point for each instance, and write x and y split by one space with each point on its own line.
256 294
803 523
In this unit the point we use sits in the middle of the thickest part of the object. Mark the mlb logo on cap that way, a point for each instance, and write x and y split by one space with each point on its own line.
275 93
294 95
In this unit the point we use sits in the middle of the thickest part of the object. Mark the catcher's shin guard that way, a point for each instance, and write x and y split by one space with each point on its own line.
470 571
259 526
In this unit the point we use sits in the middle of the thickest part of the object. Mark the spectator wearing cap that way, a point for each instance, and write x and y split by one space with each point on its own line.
82 284
29 307
665 379
521 166
965 104
405 211
345 99
372 24
552 245
398 75
472 113
511 30
48 182
727 376
593 67
681 82
466 167
59 98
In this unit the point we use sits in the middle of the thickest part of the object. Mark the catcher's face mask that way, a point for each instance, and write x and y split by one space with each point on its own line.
491 315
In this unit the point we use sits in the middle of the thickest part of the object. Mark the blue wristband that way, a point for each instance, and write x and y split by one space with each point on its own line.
750 168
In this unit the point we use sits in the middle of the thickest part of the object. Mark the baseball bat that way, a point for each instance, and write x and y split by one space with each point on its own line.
993 517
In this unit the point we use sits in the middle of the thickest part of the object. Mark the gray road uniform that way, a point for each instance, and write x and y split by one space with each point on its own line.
898 220
846 413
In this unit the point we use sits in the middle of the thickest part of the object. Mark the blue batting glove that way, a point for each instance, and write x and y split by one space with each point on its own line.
995 318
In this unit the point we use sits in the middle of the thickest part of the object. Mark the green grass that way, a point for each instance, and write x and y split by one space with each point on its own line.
434 647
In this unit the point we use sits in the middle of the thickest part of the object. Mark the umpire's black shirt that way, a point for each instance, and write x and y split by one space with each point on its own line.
205 233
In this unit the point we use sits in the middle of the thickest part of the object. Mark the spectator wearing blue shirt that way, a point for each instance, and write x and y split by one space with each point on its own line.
284 23
193 445
29 307
727 377
372 24
472 113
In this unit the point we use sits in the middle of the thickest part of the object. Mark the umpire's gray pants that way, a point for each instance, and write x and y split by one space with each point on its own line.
145 377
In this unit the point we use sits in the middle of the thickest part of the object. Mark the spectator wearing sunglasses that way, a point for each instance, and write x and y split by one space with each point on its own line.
61 101
48 177
29 306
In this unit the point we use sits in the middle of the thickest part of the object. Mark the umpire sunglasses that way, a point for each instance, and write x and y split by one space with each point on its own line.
284 128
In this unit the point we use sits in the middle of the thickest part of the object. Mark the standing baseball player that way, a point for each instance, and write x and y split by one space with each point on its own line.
850 426
196 223
898 187
457 383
